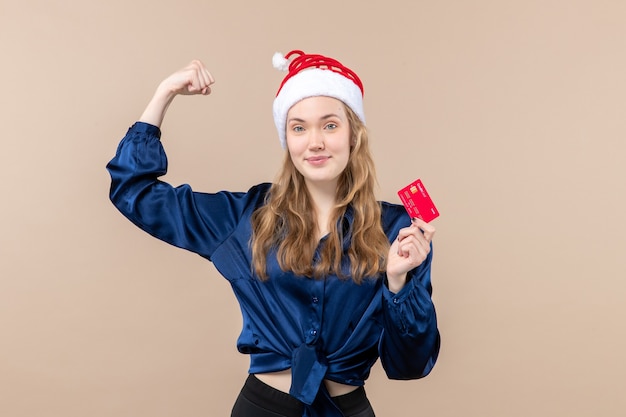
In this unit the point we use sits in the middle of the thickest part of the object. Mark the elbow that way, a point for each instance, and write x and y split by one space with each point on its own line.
117 199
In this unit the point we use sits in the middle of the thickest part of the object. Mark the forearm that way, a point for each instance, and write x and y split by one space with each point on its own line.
154 113
410 341
193 79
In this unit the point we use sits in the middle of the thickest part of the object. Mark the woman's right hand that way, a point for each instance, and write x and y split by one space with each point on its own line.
190 80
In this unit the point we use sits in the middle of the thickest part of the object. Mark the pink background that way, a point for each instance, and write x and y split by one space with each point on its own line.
511 112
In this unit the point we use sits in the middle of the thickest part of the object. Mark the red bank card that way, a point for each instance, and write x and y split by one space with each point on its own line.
417 201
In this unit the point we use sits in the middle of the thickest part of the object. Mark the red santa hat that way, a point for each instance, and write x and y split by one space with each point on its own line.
312 76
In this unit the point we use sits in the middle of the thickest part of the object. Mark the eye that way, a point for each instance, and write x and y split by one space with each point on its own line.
330 126
297 129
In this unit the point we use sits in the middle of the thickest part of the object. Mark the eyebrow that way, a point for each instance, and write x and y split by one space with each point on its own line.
328 116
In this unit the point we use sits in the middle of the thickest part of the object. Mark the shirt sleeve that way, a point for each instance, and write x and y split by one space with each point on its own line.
410 342
198 222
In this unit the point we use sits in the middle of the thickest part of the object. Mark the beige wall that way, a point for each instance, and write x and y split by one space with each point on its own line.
512 112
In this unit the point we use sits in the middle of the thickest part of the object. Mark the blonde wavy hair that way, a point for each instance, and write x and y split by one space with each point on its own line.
284 223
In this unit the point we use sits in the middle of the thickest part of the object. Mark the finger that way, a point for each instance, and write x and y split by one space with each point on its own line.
428 230
416 240
414 250
205 77
196 78
405 245
406 231
406 238
206 90
410 253
207 80
193 83
414 231
400 244
395 247
210 81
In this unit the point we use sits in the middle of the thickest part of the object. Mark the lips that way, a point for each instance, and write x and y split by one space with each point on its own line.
316 160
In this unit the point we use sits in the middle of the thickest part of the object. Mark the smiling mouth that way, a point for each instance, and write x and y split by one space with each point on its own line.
317 159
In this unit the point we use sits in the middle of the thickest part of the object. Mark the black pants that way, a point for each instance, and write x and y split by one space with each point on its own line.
258 399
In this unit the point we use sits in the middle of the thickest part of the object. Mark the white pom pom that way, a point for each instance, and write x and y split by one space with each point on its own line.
280 62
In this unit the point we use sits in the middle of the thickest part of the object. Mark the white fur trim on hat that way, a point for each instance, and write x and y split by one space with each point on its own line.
315 82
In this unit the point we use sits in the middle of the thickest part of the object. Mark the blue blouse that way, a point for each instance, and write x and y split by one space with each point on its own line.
320 329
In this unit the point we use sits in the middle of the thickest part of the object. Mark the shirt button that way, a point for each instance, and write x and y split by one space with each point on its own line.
396 301
313 332
315 300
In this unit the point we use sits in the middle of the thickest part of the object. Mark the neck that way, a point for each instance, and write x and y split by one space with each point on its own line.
324 199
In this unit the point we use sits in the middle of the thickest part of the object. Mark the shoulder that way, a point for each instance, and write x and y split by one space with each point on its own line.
236 201
394 212
254 197
393 218
260 190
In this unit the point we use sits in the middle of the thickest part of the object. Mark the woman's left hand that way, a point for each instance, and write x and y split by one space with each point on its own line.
408 251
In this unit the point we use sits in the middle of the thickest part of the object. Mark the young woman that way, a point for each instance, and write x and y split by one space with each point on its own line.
328 278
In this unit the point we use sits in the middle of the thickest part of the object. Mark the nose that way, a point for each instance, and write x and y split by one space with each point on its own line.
316 140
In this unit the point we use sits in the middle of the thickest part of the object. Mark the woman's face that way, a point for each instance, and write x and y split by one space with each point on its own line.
318 139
